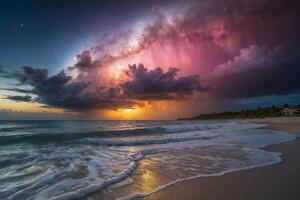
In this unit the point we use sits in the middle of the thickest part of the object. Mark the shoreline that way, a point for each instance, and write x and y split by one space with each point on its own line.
274 181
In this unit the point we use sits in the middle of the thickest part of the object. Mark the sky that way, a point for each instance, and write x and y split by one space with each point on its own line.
152 59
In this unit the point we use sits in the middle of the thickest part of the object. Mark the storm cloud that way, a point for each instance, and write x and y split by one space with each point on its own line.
26 98
261 71
30 76
239 48
157 84
222 28
62 91
18 90
85 61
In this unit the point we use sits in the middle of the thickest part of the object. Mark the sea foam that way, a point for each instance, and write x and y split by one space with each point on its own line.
40 164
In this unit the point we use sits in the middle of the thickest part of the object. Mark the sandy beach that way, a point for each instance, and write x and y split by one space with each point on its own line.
279 181
174 160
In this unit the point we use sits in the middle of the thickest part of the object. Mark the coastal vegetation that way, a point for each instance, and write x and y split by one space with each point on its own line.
271 111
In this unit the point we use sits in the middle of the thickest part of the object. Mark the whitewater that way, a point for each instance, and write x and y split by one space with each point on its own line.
124 159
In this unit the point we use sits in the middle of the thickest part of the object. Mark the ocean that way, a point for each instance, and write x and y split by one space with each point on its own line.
123 159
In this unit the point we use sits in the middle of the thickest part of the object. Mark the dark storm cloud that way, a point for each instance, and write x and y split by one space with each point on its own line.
54 90
30 76
26 98
157 85
17 90
259 71
60 91
248 35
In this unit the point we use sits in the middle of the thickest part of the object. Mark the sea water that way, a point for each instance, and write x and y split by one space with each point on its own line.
123 159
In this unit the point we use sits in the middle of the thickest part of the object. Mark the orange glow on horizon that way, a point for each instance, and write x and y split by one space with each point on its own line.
158 110
8 105
144 110
135 112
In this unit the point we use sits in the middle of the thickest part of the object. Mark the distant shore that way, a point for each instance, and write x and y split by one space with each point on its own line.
254 113
273 182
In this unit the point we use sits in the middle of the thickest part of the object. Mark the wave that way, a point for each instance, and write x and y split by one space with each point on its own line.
135 142
90 188
98 186
95 155
64 137
191 127
40 138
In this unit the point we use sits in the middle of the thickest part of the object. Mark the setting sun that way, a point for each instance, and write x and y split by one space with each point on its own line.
125 113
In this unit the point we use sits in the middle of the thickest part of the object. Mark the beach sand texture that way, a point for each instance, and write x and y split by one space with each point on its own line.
274 182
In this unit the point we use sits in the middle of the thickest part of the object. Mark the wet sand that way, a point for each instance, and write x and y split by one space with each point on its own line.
274 182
